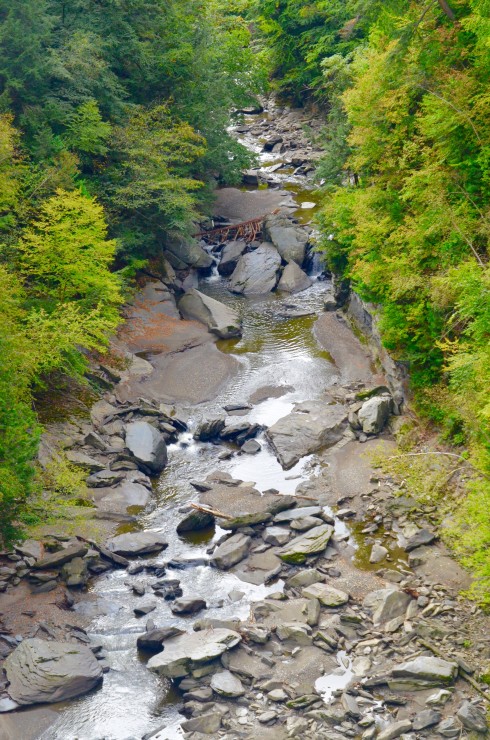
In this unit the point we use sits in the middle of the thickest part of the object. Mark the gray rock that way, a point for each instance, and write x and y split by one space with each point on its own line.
205 724
251 447
8 705
289 239
187 606
30 549
427 668
277 536
305 578
425 719
422 537
231 552
191 650
378 553
311 426
256 272
314 541
267 717
57 559
81 460
395 730
136 543
449 728
147 445
305 523
227 684
195 521
104 478
75 573
182 253
39 671
472 718
143 609
293 279
289 515
232 251
297 632
374 414
219 319
387 604
326 595
209 429
277 695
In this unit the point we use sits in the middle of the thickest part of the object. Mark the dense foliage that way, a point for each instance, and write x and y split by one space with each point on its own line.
113 128
407 164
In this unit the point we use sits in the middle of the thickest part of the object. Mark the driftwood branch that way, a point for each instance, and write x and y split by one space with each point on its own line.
213 512
465 676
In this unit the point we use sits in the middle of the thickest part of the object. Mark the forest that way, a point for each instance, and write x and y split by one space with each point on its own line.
113 134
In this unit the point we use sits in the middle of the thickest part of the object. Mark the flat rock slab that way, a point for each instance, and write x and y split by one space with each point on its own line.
427 668
119 499
136 543
231 551
186 652
314 541
326 595
244 504
311 426
227 684
41 671
57 559
271 613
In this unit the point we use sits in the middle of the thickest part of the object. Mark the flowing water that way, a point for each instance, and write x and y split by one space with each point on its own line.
280 364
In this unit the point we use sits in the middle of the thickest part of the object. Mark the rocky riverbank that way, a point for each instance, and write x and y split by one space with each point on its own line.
256 576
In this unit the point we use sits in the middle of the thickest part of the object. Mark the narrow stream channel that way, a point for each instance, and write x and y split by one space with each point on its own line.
280 364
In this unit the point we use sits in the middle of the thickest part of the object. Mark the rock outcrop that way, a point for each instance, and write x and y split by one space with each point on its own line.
219 319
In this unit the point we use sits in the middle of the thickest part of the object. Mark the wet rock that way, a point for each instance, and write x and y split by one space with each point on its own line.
308 428
300 548
425 719
288 238
133 544
422 537
250 177
185 652
293 279
240 431
472 718
143 609
231 552
195 521
182 253
232 251
395 730
147 445
153 639
206 724
208 430
219 319
387 604
227 684
170 589
188 606
251 447
57 559
374 414
326 595
256 272
39 671
428 669
378 553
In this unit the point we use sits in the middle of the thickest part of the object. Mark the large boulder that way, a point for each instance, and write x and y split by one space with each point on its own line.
147 445
39 671
256 272
288 238
219 319
293 279
182 253
309 427
386 604
57 559
232 251
314 541
374 414
428 669
136 543
191 650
